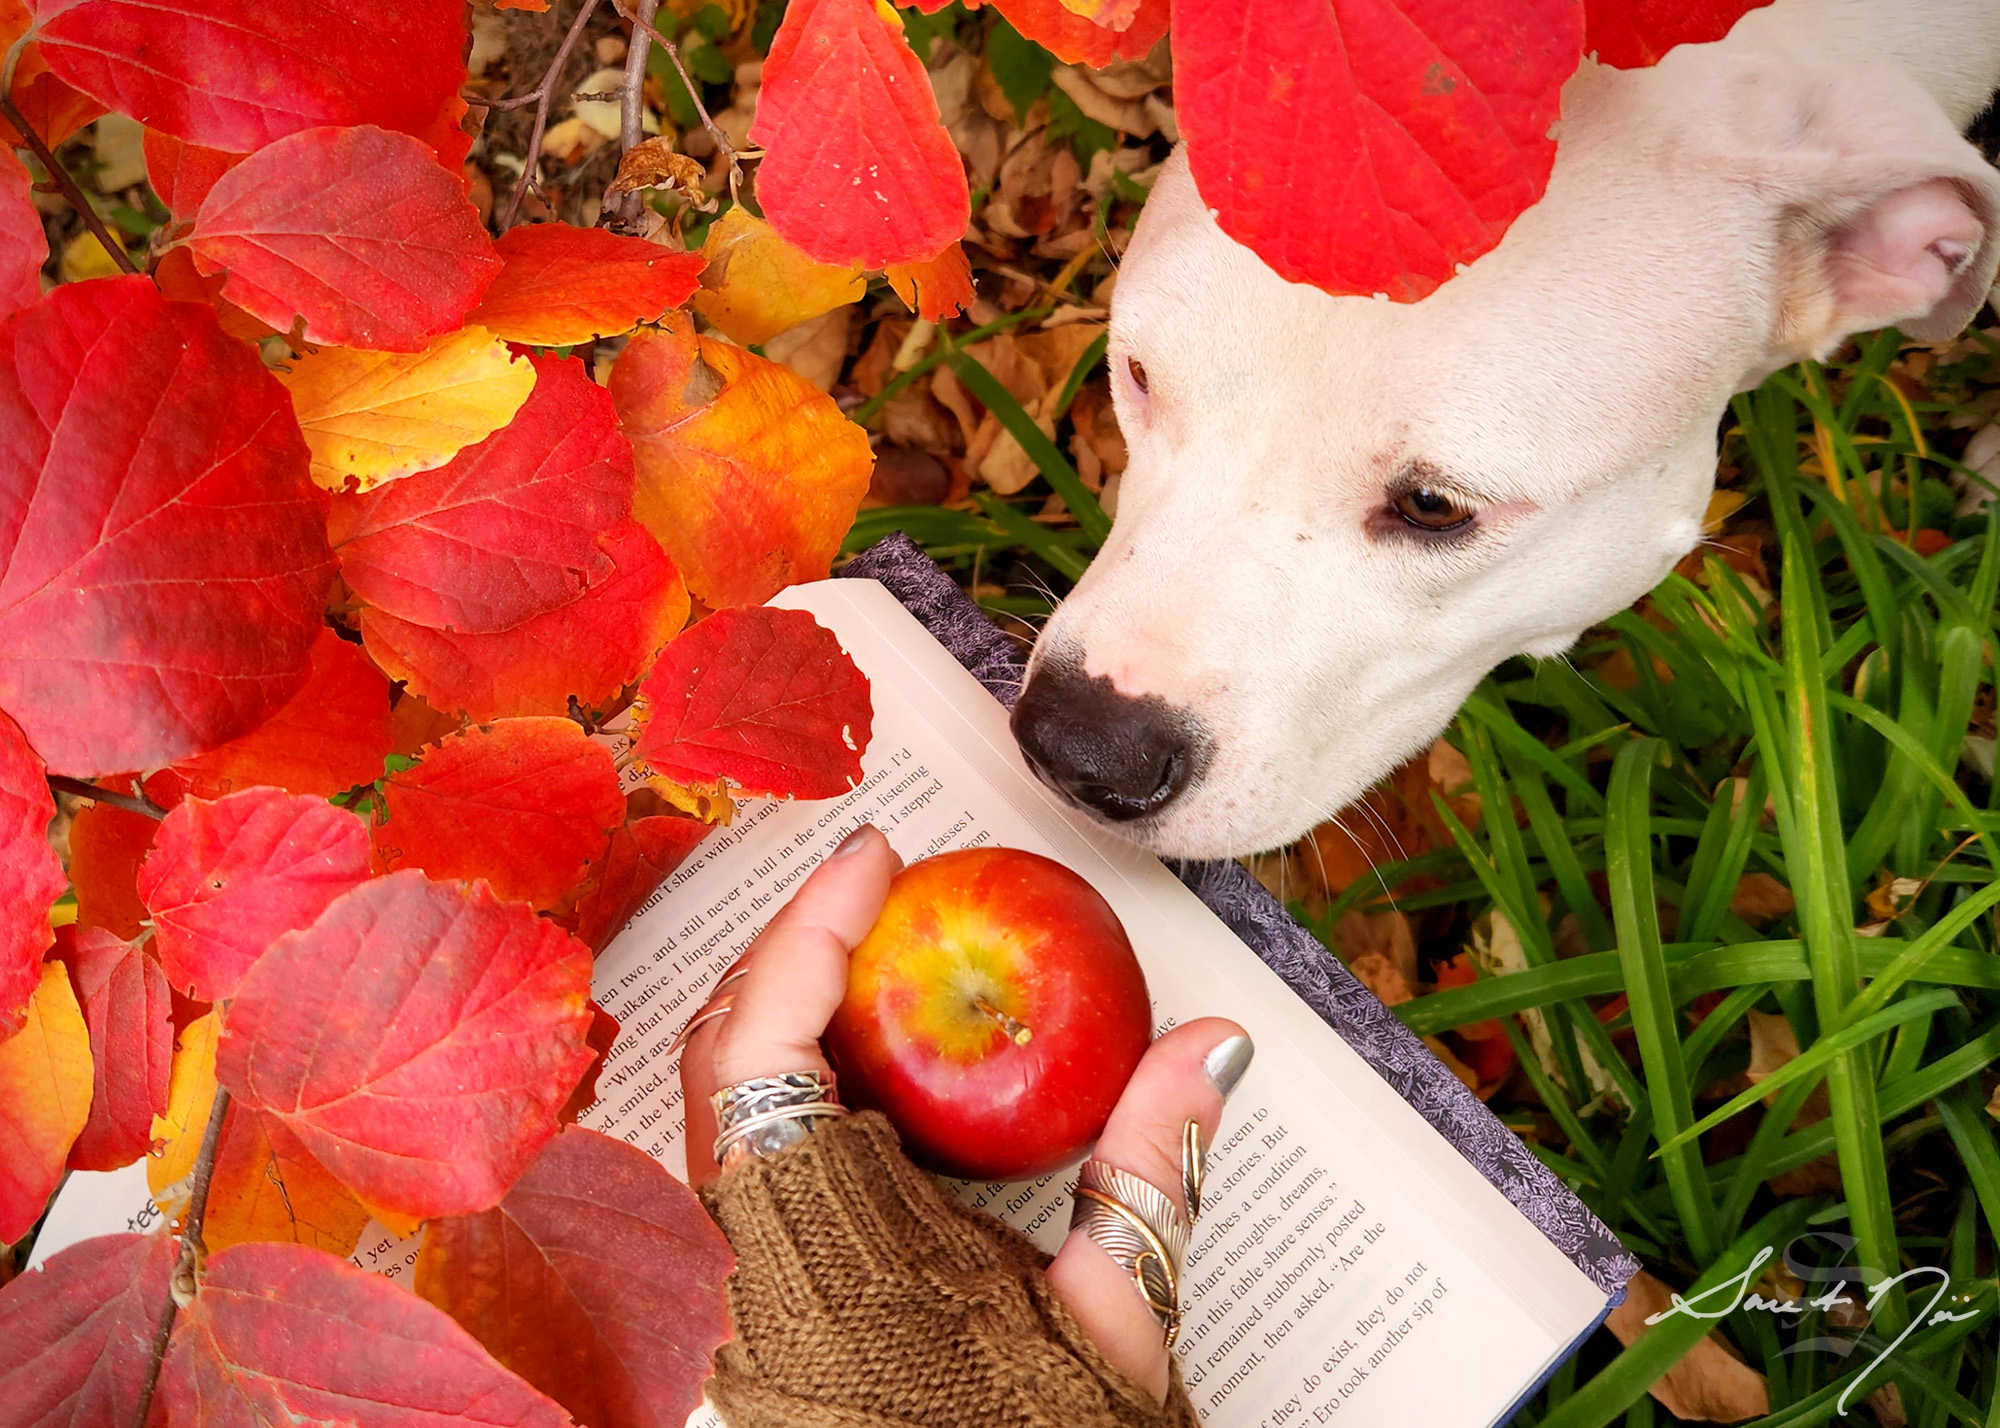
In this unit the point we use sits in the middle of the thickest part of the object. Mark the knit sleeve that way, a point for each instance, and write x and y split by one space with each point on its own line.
864 1298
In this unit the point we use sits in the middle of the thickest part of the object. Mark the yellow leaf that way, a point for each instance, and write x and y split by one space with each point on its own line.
45 1086
756 284
710 802
177 1134
371 417
83 258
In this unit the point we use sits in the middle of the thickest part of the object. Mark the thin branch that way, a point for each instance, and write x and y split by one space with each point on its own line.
181 1287
64 182
623 212
543 92
84 788
642 32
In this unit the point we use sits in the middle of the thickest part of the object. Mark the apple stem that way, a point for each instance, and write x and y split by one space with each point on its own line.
1020 1032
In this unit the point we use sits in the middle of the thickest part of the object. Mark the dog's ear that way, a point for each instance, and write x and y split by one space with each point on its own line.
1892 219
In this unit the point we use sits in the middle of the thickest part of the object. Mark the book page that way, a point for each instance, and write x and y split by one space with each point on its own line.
1346 1250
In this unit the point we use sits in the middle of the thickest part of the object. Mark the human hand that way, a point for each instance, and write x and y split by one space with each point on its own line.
786 989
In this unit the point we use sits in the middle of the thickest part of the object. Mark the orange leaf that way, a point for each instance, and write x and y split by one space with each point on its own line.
190 1094
24 247
936 289
419 1039
123 995
1110 14
179 280
522 803
267 1186
45 1084
748 474
588 649
757 285
562 284
53 110
1074 39
182 174
599 1279
331 735
105 846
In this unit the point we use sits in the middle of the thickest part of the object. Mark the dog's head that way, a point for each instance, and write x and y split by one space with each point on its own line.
1339 513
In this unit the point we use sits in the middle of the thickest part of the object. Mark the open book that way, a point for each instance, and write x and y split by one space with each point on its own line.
1359 1259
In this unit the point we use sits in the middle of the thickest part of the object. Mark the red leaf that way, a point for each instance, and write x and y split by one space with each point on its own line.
599 1279
1370 146
1074 40
563 284
333 734
131 433
236 76
226 879
763 697
937 289
34 878
76 1336
359 233
642 853
125 1008
522 803
857 167
105 846
602 1036
588 649
23 245
507 529
285 1334
182 174
1632 34
419 1039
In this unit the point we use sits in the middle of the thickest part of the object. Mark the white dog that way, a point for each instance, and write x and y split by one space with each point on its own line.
1341 512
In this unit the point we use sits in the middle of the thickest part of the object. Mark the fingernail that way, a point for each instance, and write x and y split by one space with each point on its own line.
1226 1064
854 842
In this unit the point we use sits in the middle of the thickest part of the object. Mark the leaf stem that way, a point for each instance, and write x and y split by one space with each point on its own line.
622 211
84 788
541 94
181 1287
61 175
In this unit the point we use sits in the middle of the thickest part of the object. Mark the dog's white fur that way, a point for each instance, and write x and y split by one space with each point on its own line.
1743 205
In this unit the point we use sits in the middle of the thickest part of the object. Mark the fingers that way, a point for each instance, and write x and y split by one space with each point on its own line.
786 987
1184 1076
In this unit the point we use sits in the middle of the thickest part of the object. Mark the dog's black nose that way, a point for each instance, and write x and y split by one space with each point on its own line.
1123 757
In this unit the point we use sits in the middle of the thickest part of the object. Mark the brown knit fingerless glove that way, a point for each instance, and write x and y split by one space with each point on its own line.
864 1298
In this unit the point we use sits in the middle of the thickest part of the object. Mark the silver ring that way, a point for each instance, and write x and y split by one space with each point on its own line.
763 1115
1142 1230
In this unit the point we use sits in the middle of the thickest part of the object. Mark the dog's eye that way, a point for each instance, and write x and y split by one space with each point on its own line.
1430 510
1137 369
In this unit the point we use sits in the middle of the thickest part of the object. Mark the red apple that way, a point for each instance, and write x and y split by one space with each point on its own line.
994 1013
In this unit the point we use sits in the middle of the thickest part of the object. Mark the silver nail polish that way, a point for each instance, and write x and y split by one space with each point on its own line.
854 842
1226 1064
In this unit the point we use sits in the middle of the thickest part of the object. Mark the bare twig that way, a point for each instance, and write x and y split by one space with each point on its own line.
643 31
622 211
64 182
84 788
541 95
181 1287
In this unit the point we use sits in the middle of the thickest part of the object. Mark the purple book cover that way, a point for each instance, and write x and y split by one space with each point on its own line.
1319 978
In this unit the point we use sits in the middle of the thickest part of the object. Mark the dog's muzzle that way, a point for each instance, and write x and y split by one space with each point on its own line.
1121 757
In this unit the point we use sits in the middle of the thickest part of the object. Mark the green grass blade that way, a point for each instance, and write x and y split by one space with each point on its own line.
1086 363
1053 465
1629 868
1971 1130
1910 962
1039 539
1813 1060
